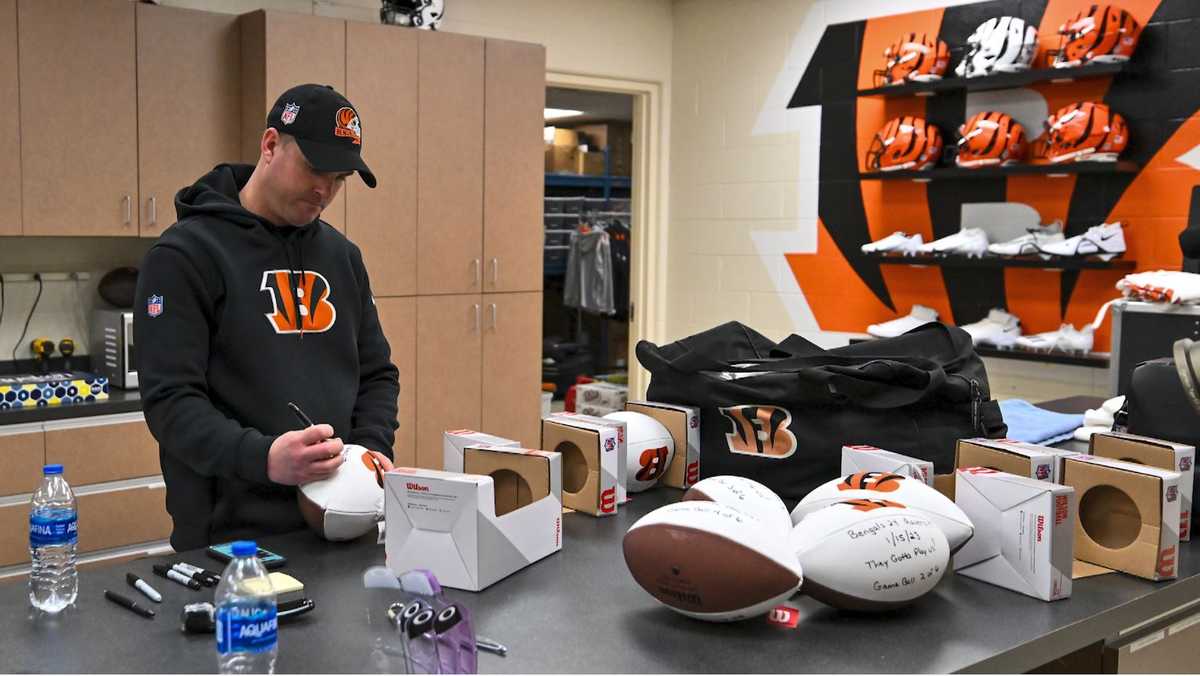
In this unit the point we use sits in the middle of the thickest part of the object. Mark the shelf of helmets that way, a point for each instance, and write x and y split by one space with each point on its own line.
993 262
112 465
1049 170
1089 359
1000 80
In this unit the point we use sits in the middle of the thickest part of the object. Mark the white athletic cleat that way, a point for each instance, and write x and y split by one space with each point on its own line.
1029 243
1107 241
999 329
918 316
897 242
1066 339
970 242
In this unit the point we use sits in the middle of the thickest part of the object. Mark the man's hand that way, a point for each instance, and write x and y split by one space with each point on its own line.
302 456
384 464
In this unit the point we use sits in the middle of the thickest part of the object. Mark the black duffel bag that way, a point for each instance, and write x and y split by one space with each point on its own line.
1157 404
780 413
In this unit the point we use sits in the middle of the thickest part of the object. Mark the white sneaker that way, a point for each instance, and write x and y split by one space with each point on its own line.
1031 242
1106 240
897 242
971 242
918 316
1066 339
999 329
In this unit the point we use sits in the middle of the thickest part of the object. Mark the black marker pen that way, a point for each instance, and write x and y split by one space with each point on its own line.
122 601
141 585
304 419
175 576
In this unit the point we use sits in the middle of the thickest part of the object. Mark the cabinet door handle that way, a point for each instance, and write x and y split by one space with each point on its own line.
153 211
493 316
127 202
477 309
476 266
495 272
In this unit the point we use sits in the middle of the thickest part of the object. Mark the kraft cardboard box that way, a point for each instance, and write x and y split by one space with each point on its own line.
1128 515
1024 532
589 463
1015 457
683 422
1159 453
455 441
475 529
600 398
864 458
622 445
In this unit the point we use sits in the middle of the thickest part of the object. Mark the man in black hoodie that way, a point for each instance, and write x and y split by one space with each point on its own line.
248 302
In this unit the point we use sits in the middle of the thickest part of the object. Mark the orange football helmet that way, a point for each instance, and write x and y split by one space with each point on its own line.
905 143
1101 34
1086 131
912 57
990 139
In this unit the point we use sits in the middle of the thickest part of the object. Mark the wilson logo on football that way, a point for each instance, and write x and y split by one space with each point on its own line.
653 464
881 482
869 505
760 431
348 125
305 309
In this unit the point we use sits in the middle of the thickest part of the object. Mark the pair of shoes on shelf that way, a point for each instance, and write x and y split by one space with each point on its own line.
1031 242
1066 339
999 329
970 242
897 242
1105 241
918 316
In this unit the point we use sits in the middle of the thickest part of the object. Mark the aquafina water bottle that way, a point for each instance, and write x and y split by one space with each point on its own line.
53 580
246 620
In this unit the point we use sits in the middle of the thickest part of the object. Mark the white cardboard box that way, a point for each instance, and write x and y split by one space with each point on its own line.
1156 453
1024 532
1024 459
446 522
622 445
864 458
454 441
600 398
683 422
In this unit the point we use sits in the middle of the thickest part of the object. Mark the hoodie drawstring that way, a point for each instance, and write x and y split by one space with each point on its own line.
291 271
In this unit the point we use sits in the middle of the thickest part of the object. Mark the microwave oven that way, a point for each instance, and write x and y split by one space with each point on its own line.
112 348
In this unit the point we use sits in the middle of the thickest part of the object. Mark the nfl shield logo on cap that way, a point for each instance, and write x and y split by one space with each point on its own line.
154 306
289 113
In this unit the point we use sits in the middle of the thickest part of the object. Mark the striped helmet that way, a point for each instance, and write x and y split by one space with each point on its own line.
1085 131
990 139
913 57
1100 34
1003 44
905 143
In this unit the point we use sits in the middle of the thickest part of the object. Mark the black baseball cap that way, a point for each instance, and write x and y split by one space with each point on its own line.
326 127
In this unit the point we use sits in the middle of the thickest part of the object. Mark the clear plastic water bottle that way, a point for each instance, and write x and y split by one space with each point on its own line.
246 620
53 534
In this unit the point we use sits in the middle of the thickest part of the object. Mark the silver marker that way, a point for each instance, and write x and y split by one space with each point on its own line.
488 645
140 585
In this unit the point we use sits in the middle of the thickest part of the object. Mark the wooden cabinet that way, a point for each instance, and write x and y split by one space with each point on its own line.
383 221
189 104
10 127
279 51
513 168
125 516
512 366
448 370
450 157
398 317
22 454
78 117
111 448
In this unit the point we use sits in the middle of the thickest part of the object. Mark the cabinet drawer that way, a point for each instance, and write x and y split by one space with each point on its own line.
110 519
112 448
22 454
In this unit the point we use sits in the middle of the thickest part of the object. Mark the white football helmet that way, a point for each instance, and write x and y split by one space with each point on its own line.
425 14
1003 44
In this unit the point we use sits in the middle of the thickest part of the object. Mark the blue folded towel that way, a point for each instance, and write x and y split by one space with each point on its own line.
1034 425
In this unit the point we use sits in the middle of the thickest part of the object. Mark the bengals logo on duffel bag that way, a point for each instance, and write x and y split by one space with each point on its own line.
882 482
868 505
760 431
306 308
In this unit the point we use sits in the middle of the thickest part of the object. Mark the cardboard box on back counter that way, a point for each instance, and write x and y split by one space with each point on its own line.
475 529
683 422
1155 453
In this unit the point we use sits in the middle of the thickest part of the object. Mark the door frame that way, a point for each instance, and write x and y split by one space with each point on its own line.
648 207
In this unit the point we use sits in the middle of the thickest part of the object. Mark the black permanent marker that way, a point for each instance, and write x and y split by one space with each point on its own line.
122 601
175 576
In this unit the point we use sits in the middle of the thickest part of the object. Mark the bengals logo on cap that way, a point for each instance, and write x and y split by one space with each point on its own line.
348 125
883 482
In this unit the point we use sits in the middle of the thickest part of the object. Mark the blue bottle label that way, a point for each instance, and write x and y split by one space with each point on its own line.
48 531
246 629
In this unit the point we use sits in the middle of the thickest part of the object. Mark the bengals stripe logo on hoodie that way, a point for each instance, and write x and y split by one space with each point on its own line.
306 309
